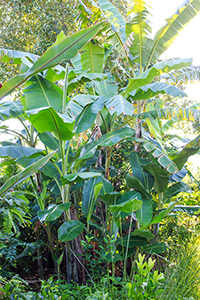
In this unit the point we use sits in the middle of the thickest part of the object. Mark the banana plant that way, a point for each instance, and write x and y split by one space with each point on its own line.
61 116
140 52
148 175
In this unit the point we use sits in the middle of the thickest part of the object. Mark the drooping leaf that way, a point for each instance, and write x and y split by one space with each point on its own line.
158 69
178 176
18 151
42 93
167 34
175 189
53 212
155 248
109 139
18 54
163 214
129 206
78 177
69 230
49 140
33 168
145 213
161 177
136 184
88 115
76 105
187 209
48 169
76 62
190 149
60 125
150 90
163 159
114 16
143 233
181 113
106 88
92 58
119 105
10 109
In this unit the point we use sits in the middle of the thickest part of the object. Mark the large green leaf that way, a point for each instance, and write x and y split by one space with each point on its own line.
76 62
18 151
163 214
180 113
143 233
62 51
163 159
158 69
145 213
88 198
114 16
49 140
92 58
136 184
48 169
60 125
187 209
70 230
161 177
119 105
42 93
88 115
139 29
77 103
53 212
106 88
135 241
10 109
129 206
78 177
190 149
167 34
33 168
175 189
150 90
155 248
110 198
109 139
18 54
91 190
136 168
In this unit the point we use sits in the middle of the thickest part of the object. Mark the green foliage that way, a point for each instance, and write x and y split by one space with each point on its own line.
15 253
83 116
145 285
182 276
14 209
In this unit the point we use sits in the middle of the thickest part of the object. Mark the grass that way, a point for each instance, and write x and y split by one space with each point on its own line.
183 274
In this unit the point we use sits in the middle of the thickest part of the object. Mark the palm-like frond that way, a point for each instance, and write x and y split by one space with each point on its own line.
140 25
181 113
191 73
167 34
